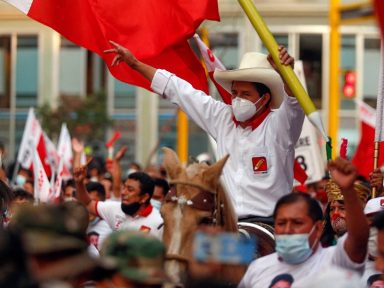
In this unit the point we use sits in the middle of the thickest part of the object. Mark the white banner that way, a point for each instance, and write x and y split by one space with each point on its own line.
29 141
307 149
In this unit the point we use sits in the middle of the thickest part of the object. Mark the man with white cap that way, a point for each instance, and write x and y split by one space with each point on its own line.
372 208
259 130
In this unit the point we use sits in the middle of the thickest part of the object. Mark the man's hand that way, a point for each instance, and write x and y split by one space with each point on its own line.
285 58
123 55
343 173
120 154
77 146
376 180
80 173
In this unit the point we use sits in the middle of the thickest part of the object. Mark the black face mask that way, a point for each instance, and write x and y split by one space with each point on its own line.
130 209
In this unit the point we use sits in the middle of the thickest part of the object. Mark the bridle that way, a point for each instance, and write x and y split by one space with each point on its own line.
205 200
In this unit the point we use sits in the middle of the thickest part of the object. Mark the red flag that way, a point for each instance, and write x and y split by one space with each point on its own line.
299 173
363 158
379 9
156 31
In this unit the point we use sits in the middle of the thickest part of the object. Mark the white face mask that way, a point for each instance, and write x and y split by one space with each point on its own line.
372 242
244 109
156 204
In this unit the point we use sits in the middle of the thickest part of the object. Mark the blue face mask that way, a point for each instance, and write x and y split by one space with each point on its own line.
20 180
156 204
294 248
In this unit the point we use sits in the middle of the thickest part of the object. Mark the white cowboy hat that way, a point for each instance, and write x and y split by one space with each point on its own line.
254 67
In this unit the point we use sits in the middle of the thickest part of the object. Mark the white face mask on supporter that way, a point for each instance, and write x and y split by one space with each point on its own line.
244 109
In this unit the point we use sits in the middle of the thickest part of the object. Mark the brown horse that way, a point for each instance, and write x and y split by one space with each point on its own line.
196 197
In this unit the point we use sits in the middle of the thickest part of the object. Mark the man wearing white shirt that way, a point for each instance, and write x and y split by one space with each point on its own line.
298 227
259 130
134 212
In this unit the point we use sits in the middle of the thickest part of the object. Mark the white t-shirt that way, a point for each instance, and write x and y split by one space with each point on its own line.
262 271
260 167
97 231
148 221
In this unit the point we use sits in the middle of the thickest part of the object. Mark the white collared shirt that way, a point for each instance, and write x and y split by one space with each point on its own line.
260 167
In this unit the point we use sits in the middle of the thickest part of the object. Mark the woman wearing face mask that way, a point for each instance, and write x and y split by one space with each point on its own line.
298 227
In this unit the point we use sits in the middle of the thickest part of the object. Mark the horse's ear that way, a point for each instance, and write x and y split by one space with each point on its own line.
212 174
171 163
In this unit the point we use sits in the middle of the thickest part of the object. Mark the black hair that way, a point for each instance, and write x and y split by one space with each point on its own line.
163 184
282 277
263 89
371 279
314 209
98 187
23 194
147 184
378 221
328 237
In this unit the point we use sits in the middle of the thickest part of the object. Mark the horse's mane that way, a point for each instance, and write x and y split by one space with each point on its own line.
226 216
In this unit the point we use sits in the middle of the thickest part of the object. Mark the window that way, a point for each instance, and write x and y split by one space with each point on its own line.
5 52
26 72
371 72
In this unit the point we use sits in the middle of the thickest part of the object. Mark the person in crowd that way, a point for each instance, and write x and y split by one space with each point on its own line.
6 196
133 212
378 223
161 190
375 281
98 229
372 208
259 130
55 242
23 177
14 269
376 180
335 214
69 190
138 258
298 227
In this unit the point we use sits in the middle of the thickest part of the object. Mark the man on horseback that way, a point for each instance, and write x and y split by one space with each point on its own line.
259 130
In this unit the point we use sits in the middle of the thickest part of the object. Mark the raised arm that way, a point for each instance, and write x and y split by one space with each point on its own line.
344 175
376 180
79 174
285 59
116 172
124 55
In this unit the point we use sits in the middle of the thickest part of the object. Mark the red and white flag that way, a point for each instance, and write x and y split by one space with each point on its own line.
32 139
64 149
156 31
363 158
42 186
212 63
59 179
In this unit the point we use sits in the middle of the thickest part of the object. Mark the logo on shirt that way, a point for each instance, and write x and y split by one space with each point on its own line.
260 165
145 229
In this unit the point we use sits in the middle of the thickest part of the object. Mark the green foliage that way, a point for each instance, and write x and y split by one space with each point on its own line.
86 118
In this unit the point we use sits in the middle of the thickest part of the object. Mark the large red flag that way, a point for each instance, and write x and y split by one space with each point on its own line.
363 158
156 31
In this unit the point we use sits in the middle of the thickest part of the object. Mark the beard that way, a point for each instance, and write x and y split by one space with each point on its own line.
339 226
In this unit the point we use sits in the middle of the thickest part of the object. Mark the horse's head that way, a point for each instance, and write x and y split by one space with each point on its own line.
194 199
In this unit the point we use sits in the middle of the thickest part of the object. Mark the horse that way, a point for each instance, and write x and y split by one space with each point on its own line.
196 196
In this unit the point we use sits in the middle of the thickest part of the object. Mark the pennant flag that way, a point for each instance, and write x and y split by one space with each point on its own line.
363 158
33 138
53 157
212 63
156 31
64 149
42 187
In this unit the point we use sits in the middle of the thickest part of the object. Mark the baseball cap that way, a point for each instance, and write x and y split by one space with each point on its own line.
374 205
138 256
